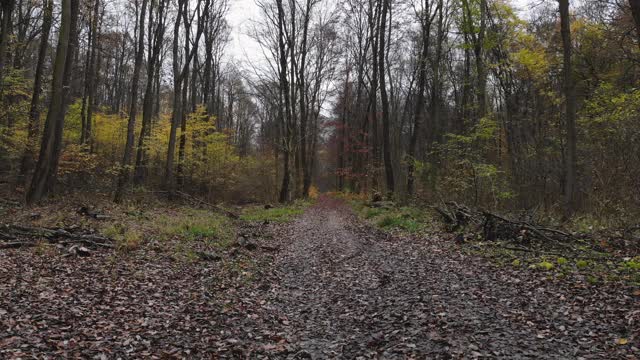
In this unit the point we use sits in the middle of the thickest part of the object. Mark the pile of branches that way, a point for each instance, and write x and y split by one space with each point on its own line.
496 227
17 236
493 226
526 233
457 216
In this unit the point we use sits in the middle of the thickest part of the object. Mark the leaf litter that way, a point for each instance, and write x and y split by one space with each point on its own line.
323 286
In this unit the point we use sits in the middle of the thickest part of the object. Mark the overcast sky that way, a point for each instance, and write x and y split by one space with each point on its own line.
242 12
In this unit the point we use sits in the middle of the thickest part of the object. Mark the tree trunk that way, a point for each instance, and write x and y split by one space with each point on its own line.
304 111
420 97
155 45
284 89
635 11
123 178
46 168
177 100
26 164
374 14
343 129
183 131
388 165
480 66
85 90
434 112
92 77
570 190
7 9
180 76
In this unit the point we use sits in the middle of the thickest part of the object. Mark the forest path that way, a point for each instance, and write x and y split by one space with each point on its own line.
341 289
326 285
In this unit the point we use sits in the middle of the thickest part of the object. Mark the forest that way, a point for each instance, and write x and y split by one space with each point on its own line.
235 131
416 100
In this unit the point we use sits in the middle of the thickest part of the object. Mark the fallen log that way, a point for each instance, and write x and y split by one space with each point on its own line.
52 235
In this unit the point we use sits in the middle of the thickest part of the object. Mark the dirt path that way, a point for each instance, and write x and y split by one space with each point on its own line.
334 289
348 291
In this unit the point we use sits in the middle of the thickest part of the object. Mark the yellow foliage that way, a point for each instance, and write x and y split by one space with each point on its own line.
76 159
210 163
313 192
110 134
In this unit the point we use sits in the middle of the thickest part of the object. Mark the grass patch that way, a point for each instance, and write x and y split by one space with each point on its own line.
197 225
127 238
388 216
399 222
275 214
371 213
179 229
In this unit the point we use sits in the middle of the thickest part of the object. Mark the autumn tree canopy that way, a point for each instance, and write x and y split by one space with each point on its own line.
472 100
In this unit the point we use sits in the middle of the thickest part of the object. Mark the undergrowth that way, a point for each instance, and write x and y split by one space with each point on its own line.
579 260
195 224
283 213
592 267
388 216
178 230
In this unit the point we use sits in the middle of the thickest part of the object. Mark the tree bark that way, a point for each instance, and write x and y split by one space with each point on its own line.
343 129
285 114
26 164
635 12
374 15
388 166
7 9
570 190
302 67
45 172
92 78
180 75
177 98
420 96
123 178
480 66
155 45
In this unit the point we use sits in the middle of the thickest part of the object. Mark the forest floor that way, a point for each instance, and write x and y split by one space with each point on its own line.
324 285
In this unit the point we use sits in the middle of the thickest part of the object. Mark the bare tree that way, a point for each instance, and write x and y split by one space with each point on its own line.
570 187
123 177
153 64
426 19
388 166
44 176
34 110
